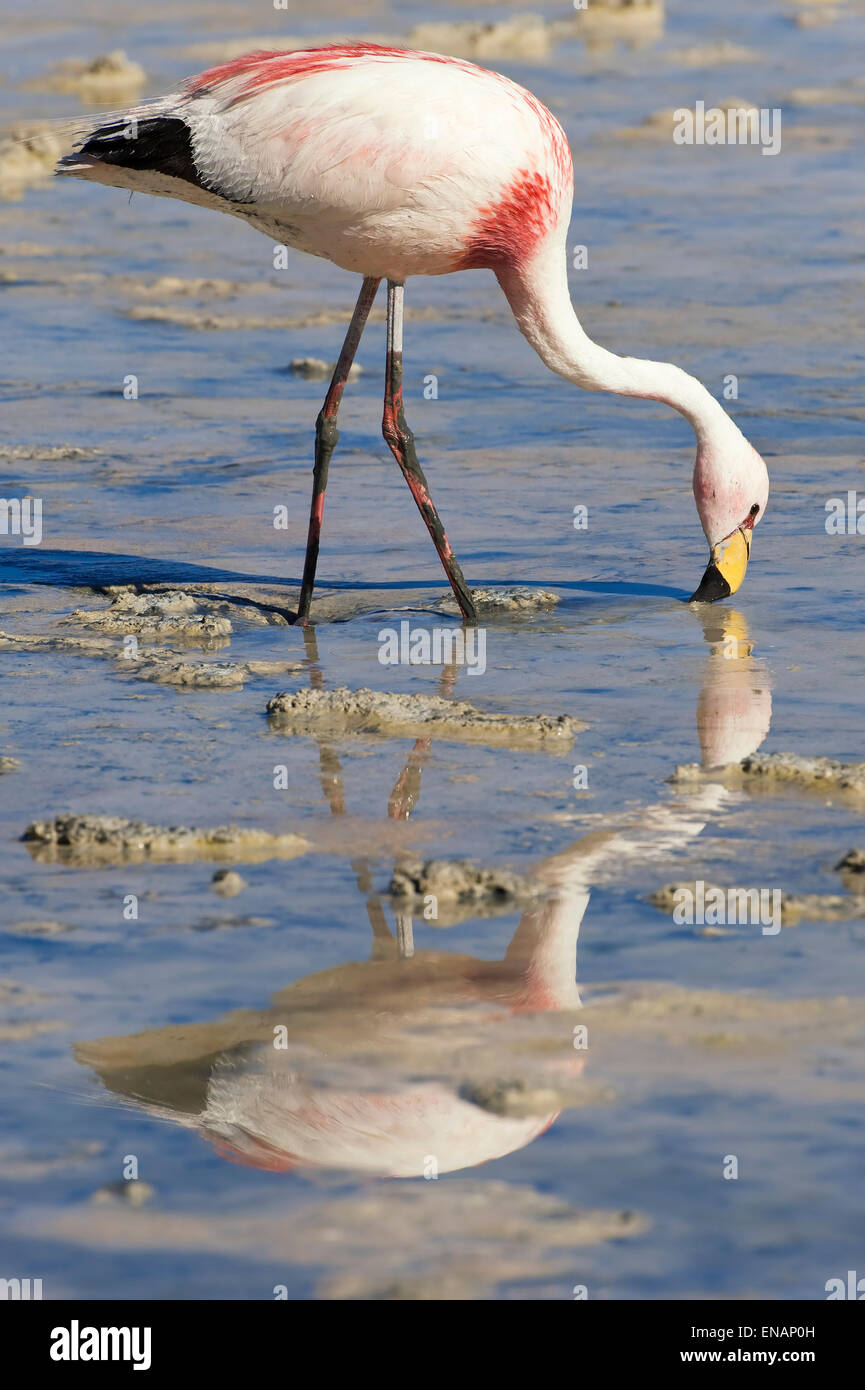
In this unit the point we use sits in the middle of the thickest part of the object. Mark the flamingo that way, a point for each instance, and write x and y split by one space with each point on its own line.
392 163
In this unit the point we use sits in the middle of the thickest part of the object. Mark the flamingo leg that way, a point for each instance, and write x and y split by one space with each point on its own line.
401 442
326 437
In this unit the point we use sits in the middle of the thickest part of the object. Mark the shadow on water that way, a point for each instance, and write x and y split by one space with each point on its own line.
95 569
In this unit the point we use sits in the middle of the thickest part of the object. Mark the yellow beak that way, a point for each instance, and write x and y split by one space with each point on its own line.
726 568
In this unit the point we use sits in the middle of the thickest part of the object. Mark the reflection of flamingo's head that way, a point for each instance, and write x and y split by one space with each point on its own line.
734 710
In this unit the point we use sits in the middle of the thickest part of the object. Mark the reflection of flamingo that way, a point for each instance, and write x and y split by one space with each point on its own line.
374 1026
391 163
735 706
368 1078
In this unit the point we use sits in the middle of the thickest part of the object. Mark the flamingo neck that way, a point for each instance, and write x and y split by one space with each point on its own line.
540 301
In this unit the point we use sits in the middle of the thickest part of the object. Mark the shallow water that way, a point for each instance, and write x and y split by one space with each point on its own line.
700 1046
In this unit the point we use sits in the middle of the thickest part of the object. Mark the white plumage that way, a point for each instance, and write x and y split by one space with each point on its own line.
392 164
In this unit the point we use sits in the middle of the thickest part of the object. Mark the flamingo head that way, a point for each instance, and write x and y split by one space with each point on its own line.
731 488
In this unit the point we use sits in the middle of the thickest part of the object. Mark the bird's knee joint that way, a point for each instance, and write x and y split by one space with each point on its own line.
326 431
392 434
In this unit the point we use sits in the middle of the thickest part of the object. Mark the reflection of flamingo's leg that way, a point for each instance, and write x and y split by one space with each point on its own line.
330 773
384 945
330 768
404 796
448 679
405 936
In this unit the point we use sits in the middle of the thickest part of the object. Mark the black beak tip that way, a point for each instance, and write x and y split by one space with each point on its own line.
713 586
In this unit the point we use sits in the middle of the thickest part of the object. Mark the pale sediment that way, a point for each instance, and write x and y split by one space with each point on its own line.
47 453
516 598
93 840
781 771
28 155
37 642
14 996
461 1239
316 369
44 929
383 712
528 37
129 1192
205 320
110 78
169 614
205 675
161 665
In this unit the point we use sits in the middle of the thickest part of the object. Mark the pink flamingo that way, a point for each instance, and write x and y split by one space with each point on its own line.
392 163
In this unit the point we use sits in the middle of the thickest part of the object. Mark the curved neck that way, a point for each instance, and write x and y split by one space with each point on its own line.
541 303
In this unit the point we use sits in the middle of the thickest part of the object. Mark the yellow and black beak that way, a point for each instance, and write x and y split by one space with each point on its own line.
726 568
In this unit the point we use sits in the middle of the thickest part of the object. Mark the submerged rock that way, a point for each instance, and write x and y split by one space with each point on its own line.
458 881
526 36
316 369
205 675
852 870
227 883
816 772
47 453
516 598
82 646
132 1192
110 77
191 675
711 54
730 905
383 712
85 840
516 1099
819 907
38 929
667 898
170 614
9 764
28 155
781 770
531 37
